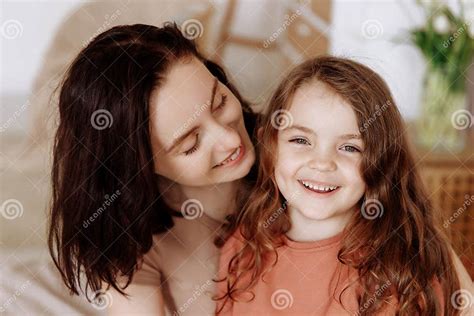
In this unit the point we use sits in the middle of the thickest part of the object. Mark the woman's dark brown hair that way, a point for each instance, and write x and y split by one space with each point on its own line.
405 247
105 203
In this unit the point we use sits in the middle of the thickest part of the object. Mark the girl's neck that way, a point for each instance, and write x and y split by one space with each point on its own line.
217 200
305 229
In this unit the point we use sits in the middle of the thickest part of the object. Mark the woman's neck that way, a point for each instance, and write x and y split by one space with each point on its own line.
217 200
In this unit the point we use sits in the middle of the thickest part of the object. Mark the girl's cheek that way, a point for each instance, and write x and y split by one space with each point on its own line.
287 167
283 154
352 168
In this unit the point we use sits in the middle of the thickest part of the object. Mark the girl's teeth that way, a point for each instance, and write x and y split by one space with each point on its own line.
318 187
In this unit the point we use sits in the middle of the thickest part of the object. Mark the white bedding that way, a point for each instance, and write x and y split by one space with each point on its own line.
31 285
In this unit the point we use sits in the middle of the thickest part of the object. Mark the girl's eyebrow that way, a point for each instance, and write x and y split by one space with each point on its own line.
310 131
300 128
351 136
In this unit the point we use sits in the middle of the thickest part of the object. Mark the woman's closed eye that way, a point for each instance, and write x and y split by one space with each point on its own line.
222 103
194 148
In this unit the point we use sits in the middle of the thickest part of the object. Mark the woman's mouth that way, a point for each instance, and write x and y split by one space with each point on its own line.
319 188
233 158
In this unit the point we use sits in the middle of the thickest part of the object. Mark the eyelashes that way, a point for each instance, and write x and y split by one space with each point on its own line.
352 148
223 101
194 148
299 141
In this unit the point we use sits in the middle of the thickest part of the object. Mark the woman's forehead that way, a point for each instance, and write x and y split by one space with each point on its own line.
187 89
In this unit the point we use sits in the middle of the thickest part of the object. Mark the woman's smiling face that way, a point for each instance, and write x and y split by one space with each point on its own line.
198 134
319 155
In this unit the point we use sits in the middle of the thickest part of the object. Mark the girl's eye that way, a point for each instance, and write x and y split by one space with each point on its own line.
300 141
194 148
223 101
350 148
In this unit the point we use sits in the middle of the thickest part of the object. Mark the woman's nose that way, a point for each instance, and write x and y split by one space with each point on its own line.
225 138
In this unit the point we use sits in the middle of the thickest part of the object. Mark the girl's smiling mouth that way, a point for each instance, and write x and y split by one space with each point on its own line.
319 187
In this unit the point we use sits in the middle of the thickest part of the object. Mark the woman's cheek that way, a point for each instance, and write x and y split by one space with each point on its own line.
234 111
188 164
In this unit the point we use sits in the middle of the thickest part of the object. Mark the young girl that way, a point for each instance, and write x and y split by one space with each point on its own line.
338 222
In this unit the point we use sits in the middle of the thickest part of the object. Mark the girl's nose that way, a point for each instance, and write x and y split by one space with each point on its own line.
322 162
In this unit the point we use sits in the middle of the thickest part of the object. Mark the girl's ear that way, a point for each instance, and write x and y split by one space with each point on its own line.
259 133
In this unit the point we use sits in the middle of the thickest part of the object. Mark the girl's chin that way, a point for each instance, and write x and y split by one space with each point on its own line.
322 213
317 215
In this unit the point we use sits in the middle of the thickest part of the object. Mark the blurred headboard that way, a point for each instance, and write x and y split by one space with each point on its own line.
259 43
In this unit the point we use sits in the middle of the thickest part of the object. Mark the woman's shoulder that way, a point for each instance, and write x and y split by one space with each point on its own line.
172 245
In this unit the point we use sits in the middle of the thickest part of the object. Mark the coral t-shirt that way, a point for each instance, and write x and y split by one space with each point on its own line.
308 279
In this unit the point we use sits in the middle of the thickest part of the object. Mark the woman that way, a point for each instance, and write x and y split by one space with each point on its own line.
150 155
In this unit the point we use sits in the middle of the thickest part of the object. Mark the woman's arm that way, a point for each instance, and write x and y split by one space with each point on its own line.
145 296
143 300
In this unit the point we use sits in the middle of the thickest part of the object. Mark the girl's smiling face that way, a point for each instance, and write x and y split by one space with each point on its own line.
319 155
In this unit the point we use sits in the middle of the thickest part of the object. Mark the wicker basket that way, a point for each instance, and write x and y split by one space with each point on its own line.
450 182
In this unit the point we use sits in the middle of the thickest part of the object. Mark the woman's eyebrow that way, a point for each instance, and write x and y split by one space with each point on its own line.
213 93
185 135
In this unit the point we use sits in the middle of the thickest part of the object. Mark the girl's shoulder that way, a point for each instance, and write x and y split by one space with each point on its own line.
392 303
234 243
236 238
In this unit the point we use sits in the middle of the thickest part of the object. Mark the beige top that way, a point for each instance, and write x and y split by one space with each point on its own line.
184 261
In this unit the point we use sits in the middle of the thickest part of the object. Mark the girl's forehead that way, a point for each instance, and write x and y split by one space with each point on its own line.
318 104
319 111
316 92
